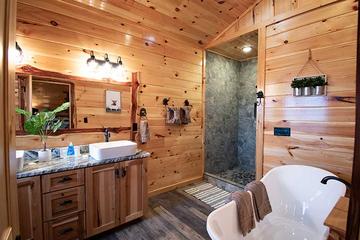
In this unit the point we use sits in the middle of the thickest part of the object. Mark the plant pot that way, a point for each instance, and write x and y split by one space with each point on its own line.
297 92
44 155
319 90
307 91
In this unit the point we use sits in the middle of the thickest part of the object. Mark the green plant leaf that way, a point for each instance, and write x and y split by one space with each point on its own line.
61 108
56 126
40 123
23 112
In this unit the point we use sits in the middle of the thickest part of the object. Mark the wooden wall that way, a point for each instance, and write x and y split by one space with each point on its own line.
322 127
57 35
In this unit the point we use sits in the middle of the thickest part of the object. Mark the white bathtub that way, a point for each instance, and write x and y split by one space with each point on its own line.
300 205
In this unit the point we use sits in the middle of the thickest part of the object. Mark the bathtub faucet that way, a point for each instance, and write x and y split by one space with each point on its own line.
327 178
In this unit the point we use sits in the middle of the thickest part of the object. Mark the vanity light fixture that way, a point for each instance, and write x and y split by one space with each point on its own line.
19 53
247 49
105 68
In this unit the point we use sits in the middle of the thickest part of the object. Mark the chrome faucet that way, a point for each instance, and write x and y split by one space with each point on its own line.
327 178
107 134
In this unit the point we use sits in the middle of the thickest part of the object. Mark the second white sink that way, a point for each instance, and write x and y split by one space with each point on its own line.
108 150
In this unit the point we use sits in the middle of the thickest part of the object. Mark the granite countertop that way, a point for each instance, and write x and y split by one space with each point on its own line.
35 168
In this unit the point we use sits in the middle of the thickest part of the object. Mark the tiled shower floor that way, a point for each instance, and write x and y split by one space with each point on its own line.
237 175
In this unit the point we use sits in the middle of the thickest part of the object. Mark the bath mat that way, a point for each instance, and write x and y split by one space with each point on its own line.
209 194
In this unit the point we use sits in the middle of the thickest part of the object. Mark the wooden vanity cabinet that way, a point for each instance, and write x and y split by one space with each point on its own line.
63 205
80 203
29 200
115 194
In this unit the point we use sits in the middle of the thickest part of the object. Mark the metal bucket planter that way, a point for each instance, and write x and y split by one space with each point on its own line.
307 91
319 90
297 92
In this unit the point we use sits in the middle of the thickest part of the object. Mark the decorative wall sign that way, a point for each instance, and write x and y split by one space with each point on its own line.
113 101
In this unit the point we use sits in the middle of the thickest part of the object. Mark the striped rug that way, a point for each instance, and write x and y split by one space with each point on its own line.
209 194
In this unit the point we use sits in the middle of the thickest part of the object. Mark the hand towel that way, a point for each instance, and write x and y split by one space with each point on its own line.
244 210
261 200
144 130
185 117
172 115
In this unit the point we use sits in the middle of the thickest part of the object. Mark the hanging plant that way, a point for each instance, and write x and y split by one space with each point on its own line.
319 81
307 86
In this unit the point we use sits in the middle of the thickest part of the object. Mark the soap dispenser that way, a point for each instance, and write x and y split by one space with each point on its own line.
71 150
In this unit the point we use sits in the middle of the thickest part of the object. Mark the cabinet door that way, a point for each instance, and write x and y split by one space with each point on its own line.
29 197
133 189
101 198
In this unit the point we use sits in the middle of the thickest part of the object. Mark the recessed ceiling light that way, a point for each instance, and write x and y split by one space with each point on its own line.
247 49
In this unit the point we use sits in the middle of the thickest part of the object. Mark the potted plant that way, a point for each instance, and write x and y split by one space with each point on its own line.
319 84
297 85
43 124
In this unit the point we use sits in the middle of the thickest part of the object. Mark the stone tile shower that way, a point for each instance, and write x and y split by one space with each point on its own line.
230 121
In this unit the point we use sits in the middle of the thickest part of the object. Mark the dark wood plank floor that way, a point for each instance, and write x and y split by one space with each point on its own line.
171 215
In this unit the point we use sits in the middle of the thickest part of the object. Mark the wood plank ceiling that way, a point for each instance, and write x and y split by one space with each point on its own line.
193 21
234 48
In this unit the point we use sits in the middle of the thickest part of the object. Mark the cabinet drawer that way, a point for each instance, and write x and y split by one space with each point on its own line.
62 180
69 228
63 202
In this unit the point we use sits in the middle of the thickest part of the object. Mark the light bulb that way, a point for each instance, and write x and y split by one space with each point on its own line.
247 49
117 73
92 64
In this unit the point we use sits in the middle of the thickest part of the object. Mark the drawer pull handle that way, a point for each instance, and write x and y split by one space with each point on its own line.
66 202
65 179
117 172
123 172
66 230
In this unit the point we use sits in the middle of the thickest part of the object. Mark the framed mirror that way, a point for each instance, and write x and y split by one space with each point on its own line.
38 90
36 94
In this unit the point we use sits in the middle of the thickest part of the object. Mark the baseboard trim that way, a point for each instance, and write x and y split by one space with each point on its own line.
175 186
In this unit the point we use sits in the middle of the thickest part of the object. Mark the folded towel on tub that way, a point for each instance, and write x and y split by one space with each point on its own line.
244 210
261 200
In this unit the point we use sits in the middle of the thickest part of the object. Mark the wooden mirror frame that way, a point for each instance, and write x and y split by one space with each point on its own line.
33 78
59 77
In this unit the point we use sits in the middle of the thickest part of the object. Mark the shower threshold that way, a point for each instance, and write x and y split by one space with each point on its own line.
236 177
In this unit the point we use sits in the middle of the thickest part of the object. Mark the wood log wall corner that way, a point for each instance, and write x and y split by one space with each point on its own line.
169 67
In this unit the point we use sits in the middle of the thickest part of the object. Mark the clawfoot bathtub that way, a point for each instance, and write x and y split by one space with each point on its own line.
300 205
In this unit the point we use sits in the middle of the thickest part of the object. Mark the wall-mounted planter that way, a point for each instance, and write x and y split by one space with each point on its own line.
297 92
309 86
320 90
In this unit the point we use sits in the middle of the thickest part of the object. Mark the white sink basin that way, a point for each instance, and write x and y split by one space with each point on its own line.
107 150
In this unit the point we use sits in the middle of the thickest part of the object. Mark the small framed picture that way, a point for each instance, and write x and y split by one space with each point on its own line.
113 101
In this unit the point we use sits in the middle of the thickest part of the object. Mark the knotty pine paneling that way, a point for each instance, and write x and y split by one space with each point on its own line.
322 127
266 12
57 35
89 99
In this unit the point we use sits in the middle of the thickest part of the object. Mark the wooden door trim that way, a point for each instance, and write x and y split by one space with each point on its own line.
260 83
135 83
353 221
7 118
